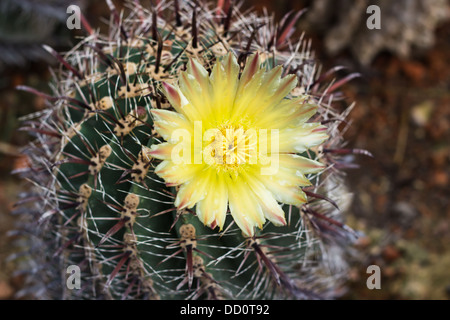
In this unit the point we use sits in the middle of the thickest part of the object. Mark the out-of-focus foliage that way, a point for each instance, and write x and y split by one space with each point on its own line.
26 24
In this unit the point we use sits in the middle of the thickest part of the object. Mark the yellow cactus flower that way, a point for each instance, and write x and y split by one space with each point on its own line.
233 142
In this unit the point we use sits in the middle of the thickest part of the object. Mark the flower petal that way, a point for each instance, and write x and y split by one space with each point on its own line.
251 68
288 113
179 102
162 151
298 140
166 122
194 190
244 206
283 186
176 174
272 210
262 92
287 194
253 98
285 86
290 170
273 89
224 82
212 209
196 88
199 72
301 164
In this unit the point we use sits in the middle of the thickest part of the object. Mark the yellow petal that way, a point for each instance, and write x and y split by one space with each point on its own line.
179 102
262 92
284 88
224 82
270 92
251 68
287 194
283 186
290 170
200 74
196 88
288 113
298 140
176 174
271 81
253 98
244 206
299 163
212 209
194 190
166 122
173 95
162 151
272 210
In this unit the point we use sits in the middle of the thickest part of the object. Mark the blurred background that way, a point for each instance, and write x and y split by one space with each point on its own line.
402 116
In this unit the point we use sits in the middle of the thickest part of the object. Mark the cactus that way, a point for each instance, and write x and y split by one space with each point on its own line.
108 198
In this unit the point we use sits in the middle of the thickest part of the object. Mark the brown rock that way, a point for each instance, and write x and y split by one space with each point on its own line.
390 253
6 291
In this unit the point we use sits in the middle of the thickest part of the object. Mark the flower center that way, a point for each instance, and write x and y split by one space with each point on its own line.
230 147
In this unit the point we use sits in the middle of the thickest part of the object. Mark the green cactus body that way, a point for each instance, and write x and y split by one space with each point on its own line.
106 210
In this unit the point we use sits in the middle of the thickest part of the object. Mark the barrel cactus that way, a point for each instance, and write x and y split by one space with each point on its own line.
193 152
